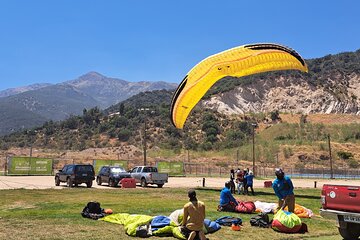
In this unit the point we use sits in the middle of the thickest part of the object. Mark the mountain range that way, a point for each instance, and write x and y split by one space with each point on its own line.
331 86
26 107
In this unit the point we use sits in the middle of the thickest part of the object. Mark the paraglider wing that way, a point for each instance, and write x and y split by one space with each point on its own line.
236 62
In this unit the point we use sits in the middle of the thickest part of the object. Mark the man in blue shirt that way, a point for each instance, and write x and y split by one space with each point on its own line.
284 190
249 183
227 201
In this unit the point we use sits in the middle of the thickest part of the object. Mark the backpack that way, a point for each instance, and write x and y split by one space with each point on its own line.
261 220
286 222
143 231
92 210
228 221
94 207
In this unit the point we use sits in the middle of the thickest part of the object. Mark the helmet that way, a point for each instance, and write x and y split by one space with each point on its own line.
279 173
227 184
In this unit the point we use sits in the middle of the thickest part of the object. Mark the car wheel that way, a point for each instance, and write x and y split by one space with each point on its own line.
143 182
69 182
76 184
160 185
111 183
98 181
352 231
57 181
89 184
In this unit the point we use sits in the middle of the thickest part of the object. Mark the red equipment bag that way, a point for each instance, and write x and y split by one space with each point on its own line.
245 207
128 183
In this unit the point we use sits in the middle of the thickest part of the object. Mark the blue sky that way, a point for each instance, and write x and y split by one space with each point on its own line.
158 40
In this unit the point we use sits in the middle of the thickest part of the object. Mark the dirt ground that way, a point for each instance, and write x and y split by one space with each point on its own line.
45 182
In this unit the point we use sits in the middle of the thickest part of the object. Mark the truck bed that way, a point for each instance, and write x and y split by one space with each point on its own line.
341 197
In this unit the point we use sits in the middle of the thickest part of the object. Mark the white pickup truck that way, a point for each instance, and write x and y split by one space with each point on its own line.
148 175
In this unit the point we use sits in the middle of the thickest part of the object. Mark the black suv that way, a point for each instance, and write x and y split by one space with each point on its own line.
75 174
111 175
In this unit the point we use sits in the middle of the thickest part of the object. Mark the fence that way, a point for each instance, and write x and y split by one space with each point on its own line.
44 166
194 169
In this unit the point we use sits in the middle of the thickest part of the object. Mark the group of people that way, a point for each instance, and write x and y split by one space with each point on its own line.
282 186
244 181
194 210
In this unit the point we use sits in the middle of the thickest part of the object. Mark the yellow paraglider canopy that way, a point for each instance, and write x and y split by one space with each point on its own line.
236 62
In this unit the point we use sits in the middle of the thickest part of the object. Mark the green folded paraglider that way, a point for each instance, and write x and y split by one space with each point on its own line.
236 62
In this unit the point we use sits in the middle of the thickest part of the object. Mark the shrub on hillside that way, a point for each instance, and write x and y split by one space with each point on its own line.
288 152
206 146
344 155
282 137
124 135
353 163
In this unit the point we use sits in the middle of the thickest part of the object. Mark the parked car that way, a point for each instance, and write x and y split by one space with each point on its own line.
75 174
342 203
111 175
149 175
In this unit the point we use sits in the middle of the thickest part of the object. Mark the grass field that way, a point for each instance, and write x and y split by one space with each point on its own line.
55 214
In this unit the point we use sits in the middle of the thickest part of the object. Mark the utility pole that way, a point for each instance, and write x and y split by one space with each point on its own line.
237 156
144 140
331 164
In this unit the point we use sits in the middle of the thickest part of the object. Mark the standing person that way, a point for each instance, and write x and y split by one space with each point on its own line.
232 178
227 200
240 181
284 190
245 173
249 182
194 215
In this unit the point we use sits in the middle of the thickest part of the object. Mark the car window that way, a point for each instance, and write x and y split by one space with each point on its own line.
117 170
84 168
150 169
102 170
70 169
139 170
64 169
134 170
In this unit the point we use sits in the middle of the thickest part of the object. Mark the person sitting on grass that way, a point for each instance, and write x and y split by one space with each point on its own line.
194 215
227 200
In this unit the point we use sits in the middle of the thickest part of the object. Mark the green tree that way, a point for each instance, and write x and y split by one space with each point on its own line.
121 109
211 128
274 115
124 135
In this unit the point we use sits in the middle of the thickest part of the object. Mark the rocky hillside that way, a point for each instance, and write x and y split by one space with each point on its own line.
332 86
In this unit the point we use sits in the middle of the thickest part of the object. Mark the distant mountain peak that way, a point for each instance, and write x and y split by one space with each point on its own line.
92 76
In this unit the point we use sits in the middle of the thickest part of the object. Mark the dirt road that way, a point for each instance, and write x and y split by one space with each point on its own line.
45 182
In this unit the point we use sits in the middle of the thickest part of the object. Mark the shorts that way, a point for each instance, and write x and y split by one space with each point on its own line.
186 232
